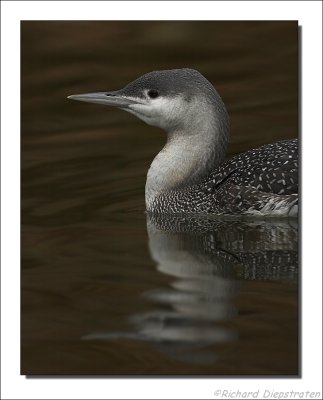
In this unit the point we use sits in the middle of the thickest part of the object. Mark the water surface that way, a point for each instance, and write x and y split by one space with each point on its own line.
108 290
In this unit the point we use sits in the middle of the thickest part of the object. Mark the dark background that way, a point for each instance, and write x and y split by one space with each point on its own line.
84 252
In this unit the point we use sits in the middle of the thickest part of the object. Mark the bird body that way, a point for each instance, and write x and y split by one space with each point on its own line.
189 175
267 187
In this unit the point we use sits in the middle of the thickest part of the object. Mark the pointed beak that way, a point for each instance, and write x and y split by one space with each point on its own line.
107 98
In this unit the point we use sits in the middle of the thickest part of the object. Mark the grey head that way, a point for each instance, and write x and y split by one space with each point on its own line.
177 100
189 109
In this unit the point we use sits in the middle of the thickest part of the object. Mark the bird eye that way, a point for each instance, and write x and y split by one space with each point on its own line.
152 93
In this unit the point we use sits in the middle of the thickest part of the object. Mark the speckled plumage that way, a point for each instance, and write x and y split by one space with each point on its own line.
260 181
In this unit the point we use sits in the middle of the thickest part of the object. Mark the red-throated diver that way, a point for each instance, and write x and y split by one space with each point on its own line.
189 175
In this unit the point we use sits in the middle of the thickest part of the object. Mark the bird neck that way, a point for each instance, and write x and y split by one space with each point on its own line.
190 154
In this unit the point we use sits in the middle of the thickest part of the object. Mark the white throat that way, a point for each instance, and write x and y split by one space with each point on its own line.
192 151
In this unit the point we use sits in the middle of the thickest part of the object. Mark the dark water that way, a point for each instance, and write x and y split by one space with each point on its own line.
106 290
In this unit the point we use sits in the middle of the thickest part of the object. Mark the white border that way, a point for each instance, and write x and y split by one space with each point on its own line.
308 13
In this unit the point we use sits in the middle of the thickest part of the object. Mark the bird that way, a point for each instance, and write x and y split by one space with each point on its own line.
191 174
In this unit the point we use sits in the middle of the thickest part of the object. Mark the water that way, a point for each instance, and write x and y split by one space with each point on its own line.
105 290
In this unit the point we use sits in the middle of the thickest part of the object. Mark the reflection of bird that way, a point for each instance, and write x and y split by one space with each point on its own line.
264 250
189 174
207 260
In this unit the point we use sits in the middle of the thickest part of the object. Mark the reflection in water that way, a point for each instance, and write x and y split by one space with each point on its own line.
84 242
207 259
